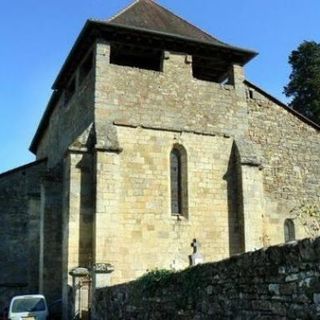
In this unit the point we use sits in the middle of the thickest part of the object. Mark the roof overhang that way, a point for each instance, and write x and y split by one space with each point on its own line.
94 29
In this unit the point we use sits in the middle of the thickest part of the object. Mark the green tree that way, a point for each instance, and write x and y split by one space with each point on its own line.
304 84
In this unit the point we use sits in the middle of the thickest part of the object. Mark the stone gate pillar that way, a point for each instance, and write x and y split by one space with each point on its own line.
81 289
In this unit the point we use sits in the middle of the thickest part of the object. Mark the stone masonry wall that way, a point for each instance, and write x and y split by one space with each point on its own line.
172 102
78 209
143 113
20 231
68 122
281 282
172 98
291 152
135 230
51 237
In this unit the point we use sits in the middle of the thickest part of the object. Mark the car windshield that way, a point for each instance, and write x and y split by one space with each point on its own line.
28 305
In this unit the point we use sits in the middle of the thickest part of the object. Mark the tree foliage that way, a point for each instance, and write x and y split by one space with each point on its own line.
304 84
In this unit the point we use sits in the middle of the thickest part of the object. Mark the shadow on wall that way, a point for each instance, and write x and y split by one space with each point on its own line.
235 203
86 211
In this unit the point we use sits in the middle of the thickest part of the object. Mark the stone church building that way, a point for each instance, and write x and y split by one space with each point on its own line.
152 138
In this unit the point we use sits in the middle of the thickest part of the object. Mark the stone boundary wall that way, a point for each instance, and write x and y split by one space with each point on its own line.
280 282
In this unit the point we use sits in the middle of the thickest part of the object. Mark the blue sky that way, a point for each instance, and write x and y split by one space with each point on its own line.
36 37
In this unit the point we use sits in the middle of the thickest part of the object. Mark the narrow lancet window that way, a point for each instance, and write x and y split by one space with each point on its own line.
289 232
175 181
178 177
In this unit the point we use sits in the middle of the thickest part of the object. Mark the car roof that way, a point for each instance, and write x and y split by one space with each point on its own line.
29 296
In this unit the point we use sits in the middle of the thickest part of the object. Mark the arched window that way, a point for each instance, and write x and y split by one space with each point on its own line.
178 181
289 232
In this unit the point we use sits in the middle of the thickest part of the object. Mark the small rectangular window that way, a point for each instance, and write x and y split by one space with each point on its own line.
205 69
289 231
136 57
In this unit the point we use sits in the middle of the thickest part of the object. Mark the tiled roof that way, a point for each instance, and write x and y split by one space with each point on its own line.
150 16
143 17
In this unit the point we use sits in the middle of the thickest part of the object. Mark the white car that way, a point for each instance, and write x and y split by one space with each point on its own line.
28 307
